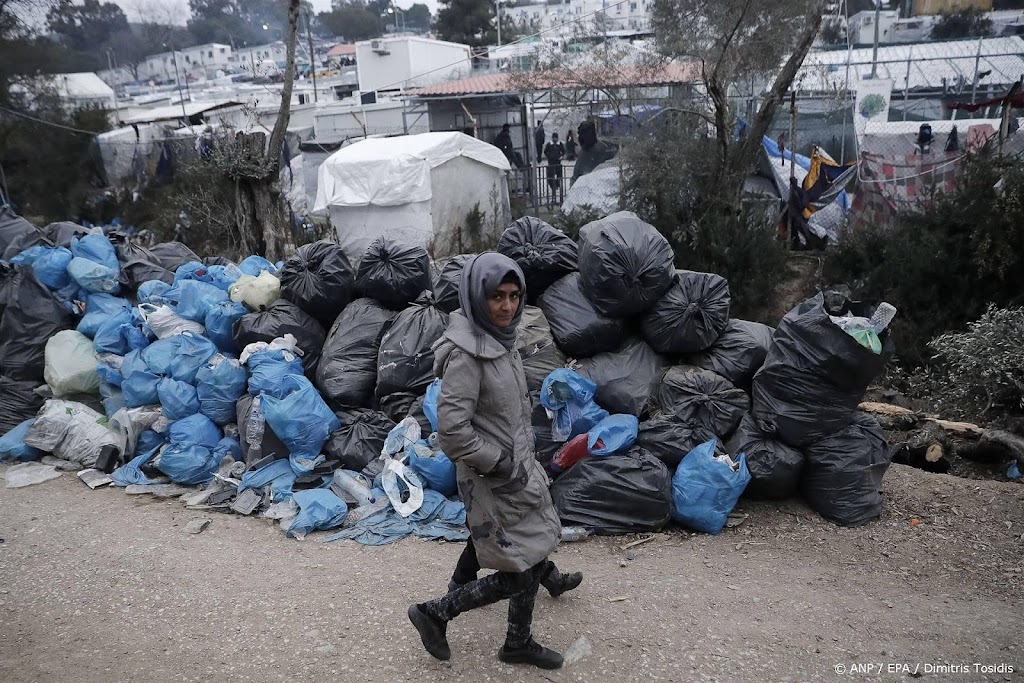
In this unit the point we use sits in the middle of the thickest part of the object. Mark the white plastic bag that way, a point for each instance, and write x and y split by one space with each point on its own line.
129 423
164 322
28 473
71 431
258 293
395 471
288 343
70 364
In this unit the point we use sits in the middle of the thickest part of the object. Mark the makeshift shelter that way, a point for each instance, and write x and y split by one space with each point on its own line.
416 189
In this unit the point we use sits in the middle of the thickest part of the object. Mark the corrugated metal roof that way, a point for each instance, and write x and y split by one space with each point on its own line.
174 111
341 50
82 85
495 83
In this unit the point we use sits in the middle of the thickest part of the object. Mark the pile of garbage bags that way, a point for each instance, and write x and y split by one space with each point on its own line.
303 391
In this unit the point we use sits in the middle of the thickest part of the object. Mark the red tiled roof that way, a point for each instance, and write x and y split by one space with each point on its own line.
490 84
341 50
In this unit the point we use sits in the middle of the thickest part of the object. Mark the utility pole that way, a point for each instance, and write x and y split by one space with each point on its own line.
117 81
312 60
874 51
497 9
177 80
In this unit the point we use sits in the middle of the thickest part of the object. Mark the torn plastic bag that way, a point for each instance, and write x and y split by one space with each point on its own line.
192 354
12 227
403 487
194 429
13 447
347 374
269 368
255 265
70 431
282 318
774 467
434 468
178 399
405 363
690 316
319 510
537 348
33 316
569 398
705 489
257 439
446 287
669 440
625 378
51 267
700 399
625 493
220 322
18 402
258 293
192 299
164 322
578 329
359 438
99 308
173 255
543 253
815 374
626 265
393 273
152 292
219 386
300 419
738 353
94 277
319 279
70 365
842 476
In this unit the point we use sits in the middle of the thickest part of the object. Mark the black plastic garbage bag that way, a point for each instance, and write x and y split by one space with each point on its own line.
537 348
18 402
398 405
318 279
283 317
774 467
738 353
139 265
249 425
217 261
393 273
61 233
25 241
31 317
619 494
347 374
625 264
814 374
173 255
544 253
691 315
446 286
842 478
360 439
669 440
626 377
544 444
13 228
579 330
703 400
405 363
416 412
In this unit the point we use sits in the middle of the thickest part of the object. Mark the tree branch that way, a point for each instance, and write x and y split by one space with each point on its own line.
284 112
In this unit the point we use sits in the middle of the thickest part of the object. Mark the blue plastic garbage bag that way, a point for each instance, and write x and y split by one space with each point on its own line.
219 387
430 403
96 248
433 503
318 509
616 434
51 267
194 351
254 265
571 398
189 464
148 440
12 444
278 475
108 337
152 292
177 399
301 419
222 277
109 375
113 401
99 308
131 472
704 490
380 528
194 429
29 256
229 445
133 333
192 299
220 321
140 388
436 470
193 270
159 355
92 276
268 370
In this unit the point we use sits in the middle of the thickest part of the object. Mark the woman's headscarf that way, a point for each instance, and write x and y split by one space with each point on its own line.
480 279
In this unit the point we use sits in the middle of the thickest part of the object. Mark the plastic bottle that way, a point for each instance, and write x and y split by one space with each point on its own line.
254 427
351 483
571 534
882 316
433 441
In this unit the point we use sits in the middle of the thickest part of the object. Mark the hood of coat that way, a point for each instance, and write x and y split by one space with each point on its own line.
460 335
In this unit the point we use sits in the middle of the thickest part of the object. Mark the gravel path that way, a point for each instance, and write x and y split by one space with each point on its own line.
100 586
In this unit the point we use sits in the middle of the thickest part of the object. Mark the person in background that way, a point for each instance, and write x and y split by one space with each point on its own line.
593 152
484 427
570 147
539 136
553 152
503 141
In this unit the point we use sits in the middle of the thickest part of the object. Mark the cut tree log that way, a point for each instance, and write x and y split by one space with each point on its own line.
886 412
927 448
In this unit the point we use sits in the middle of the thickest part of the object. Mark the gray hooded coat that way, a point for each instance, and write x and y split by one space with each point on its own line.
484 427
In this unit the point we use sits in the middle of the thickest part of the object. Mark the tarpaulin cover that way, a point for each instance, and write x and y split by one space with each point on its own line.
625 378
578 329
543 253
774 467
347 374
702 400
691 315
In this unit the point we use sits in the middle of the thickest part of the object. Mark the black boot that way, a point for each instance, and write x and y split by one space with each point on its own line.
557 583
433 632
531 653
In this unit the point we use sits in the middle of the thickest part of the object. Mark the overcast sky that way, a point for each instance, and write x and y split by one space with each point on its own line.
177 10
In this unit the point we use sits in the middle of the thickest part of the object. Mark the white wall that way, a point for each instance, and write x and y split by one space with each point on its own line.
409 62
336 122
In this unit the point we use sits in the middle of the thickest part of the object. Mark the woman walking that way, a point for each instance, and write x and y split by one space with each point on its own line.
484 428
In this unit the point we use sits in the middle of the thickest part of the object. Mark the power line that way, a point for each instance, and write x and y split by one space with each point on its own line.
49 123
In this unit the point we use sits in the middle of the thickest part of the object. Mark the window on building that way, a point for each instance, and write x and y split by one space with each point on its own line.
632 5
211 54
221 51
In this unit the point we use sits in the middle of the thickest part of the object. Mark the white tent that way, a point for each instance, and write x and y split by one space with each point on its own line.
414 188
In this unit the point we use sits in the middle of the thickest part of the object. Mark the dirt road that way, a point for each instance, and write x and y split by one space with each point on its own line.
100 586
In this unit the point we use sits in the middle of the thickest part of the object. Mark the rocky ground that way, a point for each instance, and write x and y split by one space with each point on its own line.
100 586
